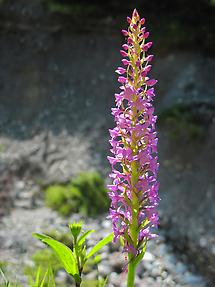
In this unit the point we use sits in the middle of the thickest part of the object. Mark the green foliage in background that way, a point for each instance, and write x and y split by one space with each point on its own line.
183 123
46 280
43 259
6 282
86 194
3 264
2 148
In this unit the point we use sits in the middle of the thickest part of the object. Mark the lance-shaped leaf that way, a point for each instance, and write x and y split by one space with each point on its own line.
43 280
63 252
99 245
83 237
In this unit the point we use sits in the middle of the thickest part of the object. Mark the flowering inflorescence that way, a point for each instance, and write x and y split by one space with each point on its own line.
134 192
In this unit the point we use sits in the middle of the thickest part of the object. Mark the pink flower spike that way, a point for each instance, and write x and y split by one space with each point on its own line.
151 82
122 80
123 53
125 33
134 140
125 47
120 71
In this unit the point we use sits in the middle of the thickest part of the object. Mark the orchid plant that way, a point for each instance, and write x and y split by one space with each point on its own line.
134 190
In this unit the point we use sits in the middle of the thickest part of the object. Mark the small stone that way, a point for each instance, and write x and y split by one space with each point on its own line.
171 258
106 224
164 274
104 268
169 266
203 242
191 279
156 272
148 257
147 265
91 275
61 277
20 185
24 203
117 261
114 278
180 267
161 250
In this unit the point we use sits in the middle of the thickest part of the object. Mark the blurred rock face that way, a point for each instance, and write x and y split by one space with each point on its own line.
56 93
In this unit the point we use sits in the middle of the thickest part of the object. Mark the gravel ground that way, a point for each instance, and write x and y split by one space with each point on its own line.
160 266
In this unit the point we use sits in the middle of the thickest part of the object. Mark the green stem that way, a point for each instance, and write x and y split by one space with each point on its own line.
131 272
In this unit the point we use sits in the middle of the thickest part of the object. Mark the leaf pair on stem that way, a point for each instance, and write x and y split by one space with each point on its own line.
73 259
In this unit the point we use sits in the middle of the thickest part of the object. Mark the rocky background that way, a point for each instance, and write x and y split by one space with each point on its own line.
57 83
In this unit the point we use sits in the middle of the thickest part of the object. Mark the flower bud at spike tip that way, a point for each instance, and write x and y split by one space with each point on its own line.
134 189
135 15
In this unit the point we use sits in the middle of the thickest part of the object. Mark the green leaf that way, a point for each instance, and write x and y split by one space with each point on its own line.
51 280
37 280
83 237
102 282
63 252
99 245
44 279
6 282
